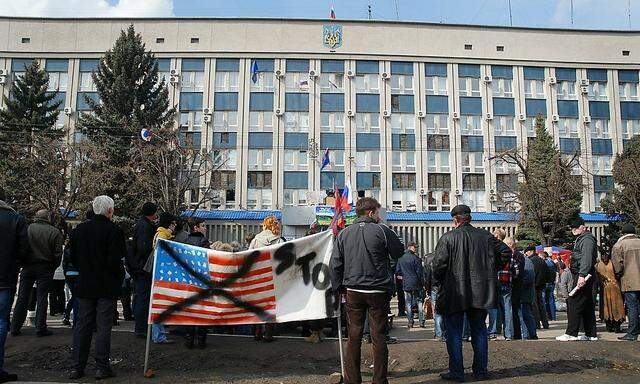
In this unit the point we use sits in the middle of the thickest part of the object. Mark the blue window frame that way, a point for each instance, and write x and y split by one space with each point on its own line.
565 74
502 71
601 147
599 109
297 65
534 73
60 97
89 65
190 101
260 140
471 106
264 65
296 180
225 140
332 102
330 179
332 66
367 180
227 65
164 65
193 65
437 104
82 104
597 74
261 101
403 142
472 144
505 143
296 140
401 68
602 183
20 65
57 65
568 108
468 70
367 66
569 146
296 102
367 103
196 139
536 107
332 141
225 101
435 69
402 103
628 76
368 141
629 110
503 106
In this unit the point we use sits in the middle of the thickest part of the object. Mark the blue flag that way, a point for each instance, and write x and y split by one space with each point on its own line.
325 159
254 71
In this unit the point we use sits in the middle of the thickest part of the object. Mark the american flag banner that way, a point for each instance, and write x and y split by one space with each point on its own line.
283 282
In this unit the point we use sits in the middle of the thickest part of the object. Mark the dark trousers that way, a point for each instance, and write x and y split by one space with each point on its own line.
377 304
127 311
197 334
515 306
402 304
43 278
72 304
632 302
57 300
142 294
540 310
580 307
454 323
93 314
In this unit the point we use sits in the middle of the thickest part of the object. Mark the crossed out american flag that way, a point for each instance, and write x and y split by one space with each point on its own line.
172 284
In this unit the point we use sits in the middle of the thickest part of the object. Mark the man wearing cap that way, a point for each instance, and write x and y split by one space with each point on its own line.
625 257
465 265
580 306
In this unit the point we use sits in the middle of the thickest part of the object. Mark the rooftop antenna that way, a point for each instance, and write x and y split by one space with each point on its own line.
510 15
369 11
397 13
629 12
571 13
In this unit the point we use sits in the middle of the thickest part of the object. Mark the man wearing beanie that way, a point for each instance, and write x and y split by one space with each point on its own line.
625 257
465 265
580 306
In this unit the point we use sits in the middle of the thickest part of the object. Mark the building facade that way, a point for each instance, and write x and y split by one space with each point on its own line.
411 113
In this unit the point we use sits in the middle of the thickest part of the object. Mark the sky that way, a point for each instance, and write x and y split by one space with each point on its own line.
587 14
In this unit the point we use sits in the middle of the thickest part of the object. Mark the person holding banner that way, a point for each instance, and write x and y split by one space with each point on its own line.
360 267
580 305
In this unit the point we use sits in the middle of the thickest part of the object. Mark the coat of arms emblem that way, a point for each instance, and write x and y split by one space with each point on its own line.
332 36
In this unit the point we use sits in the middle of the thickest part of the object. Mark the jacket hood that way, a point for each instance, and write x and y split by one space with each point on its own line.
6 206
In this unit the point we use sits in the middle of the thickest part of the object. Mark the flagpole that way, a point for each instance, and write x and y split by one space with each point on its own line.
146 353
340 336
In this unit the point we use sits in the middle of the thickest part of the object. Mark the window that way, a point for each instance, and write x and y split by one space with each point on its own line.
227 73
87 66
332 122
566 90
436 79
297 81
504 125
159 40
567 127
438 142
505 143
296 180
436 123
630 128
500 48
599 128
468 47
401 77
260 121
226 121
195 40
473 182
296 159
471 125
404 181
368 159
260 158
192 77
439 181
296 121
597 90
534 89
368 83
225 158
502 87
225 180
367 180
601 165
438 200
58 76
367 122
503 167
472 162
438 161
402 123
25 40
474 199
332 76
403 160
263 78
628 84
625 53
601 147
190 139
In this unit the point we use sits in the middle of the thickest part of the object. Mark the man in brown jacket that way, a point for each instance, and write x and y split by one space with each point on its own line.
626 263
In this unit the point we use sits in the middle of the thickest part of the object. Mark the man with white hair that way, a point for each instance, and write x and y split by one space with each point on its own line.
97 247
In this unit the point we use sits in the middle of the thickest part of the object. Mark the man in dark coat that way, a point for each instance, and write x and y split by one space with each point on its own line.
517 261
46 254
15 248
465 266
97 247
139 252
410 269
580 306
540 268
360 267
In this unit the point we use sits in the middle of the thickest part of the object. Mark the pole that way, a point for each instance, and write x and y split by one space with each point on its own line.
369 11
629 12
146 353
571 13
340 335
510 15
397 12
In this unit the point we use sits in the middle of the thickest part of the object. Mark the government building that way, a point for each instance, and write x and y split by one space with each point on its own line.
410 113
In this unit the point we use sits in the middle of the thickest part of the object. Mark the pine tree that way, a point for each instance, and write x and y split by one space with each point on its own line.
625 197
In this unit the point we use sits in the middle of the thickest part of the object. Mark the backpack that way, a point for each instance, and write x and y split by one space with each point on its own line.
504 275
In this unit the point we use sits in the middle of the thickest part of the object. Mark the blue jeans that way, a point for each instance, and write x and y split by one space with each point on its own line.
158 333
507 314
437 318
6 299
412 298
527 321
492 329
454 323
632 301
550 300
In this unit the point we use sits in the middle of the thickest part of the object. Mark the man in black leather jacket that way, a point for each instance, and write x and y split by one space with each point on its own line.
360 266
465 266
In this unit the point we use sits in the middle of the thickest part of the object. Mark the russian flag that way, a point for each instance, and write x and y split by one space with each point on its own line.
332 14
325 159
347 197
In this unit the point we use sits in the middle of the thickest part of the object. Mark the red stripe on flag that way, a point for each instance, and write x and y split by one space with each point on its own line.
186 320
213 313
235 293
249 283
255 272
160 296
237 261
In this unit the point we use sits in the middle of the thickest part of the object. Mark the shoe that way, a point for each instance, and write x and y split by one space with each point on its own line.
409 326
628 337
481 376
492 336
102 374
507 339
44 333
450 377
7 377
66 322
391 340
76 374
587 338
165 341
566 337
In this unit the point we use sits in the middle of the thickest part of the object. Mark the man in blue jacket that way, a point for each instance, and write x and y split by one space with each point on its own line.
411 271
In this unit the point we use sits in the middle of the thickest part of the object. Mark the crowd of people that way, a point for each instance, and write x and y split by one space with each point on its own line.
475 285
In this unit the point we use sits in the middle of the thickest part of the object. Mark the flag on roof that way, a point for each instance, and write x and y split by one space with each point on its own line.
332 14
325 160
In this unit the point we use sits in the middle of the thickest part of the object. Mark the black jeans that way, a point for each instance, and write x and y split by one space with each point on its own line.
516 293
127 312
141 298
540 310
57 299
98 314
42 276
580 307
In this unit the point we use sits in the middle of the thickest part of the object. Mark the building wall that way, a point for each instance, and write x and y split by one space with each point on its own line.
483 81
